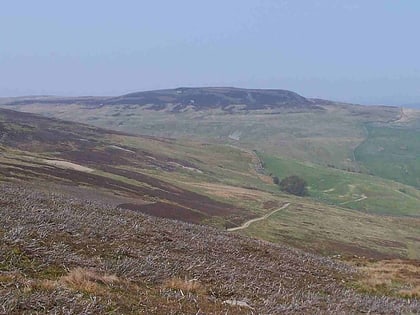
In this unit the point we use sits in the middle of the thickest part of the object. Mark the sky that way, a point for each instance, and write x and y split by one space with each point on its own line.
363 51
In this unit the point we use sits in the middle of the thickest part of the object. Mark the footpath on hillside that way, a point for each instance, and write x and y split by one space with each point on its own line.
248 223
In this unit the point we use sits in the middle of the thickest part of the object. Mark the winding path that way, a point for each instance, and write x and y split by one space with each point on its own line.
248 223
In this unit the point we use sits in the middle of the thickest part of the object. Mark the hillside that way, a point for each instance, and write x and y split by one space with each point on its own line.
54 151
74 202
68 255
210 184
276 119
277 122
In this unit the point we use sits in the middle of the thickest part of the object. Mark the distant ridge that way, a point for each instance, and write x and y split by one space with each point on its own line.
214 97
194 98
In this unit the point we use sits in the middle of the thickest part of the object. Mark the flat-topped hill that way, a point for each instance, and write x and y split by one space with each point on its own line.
216 97
197 98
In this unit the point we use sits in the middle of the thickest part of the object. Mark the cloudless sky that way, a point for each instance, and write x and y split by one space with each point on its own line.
364 51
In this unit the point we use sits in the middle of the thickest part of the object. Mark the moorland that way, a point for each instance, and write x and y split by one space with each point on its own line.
153 191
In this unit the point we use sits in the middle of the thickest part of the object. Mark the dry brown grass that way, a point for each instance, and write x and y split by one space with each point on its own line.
46 285
88 280
399 277
185 285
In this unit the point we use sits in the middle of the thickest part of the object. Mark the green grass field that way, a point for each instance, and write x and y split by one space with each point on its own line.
362 192
392 152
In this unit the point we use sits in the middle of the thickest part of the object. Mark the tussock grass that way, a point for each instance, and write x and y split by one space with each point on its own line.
88 280
185 285
397 277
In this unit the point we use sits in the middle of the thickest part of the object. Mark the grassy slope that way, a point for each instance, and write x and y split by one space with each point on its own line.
331 227
392 152
223 173
335 137
323 137
361 192
328 229
150 162
331 230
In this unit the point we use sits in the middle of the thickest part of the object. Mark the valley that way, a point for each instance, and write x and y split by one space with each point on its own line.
202 161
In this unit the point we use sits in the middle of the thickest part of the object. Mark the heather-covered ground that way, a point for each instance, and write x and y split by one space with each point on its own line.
65 255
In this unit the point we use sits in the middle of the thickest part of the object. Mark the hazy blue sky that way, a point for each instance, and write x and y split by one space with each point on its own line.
361 51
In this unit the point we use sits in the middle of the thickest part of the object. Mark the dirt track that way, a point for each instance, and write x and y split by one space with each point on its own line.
248 223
